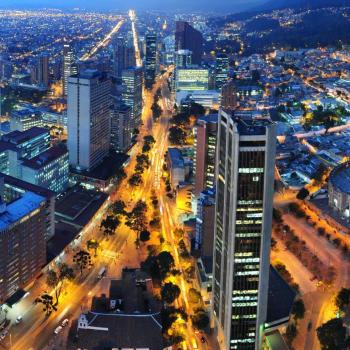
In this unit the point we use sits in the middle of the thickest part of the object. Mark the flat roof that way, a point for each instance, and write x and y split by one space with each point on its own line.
340 177
18 137
19 208
176 157
45 157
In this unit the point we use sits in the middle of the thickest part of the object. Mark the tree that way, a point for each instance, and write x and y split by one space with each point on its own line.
93 244
145 236
149 139
146 148
332 335
82 259
52 282
135 180
109 225
277 215
48 303
165 263
156 111
137 218
118 208
200 319
176 136
343 299
291 333
170 292
303 193
298 309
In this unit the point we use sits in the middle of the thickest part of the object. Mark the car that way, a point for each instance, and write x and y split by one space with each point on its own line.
19 319
65 322
58 330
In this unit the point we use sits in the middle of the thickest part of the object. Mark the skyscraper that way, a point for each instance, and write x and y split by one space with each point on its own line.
43 70
183 58
151 60
88 119
132 80
188 38
204 158
123 56
222 66
245 179
69 67
120 127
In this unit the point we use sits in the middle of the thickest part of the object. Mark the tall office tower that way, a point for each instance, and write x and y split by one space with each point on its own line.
22 244
204 157
151 60
183 58
132 80
43 70
120 128
69 67
222 67
88 119
229 96
245 179
188 38
123 56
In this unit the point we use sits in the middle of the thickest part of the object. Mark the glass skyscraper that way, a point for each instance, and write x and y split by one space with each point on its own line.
245 179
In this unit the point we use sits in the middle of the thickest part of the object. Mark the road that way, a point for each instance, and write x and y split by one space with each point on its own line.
103 43
132 16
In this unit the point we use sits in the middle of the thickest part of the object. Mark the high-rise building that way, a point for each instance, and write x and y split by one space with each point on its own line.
188 38
222 67
22 244
69 67
204 152
24 119
244 195
123 56
151 60
88 119
121 130
229 96
132 83
43 70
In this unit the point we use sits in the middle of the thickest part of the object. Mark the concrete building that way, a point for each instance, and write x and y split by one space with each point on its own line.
43 70
12 189
132 84
121 130
50 169
204 152
22 242
339 189
229 96
222 68
69 67
189 38
244 202
151 60
24 119
183 58
123 56
176 167
88 119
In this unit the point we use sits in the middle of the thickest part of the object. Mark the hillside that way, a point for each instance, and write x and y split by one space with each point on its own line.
301 4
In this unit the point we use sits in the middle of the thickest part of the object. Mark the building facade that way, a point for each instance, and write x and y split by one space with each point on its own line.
121 130
24 119
189 38
244 202
69 67
192 79
43 70
222 67
132 84
123 56
22 243
88 119
205 150
151 60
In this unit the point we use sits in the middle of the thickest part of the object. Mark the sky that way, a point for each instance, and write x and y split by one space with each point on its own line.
166 5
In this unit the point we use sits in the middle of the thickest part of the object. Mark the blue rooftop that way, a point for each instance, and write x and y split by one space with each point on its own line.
340 177
19 209
176 158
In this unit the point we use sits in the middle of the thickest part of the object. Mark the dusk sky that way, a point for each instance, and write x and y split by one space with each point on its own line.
197 5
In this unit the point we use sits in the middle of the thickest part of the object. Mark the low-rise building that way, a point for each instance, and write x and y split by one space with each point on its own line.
176 167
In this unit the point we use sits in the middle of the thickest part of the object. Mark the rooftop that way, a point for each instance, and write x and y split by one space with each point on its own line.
19 137
340 177
46 157
176 157
19 208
